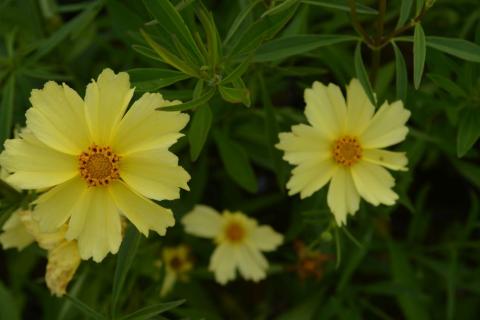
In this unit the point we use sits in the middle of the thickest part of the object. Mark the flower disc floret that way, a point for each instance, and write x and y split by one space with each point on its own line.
99 165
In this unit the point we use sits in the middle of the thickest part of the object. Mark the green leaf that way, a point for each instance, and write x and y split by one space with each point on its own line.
192 104
460 48
8 307
213 39
172 22
125 258
170 58
198 132
401 80
152 311
469 171
236 162
151 79
293 45
235 95
279 8
260 31
361 73
341 5
405 10
147 52
468 130
239 20
419 53
448 85
6 109
85 309
238 71
403 274
73 26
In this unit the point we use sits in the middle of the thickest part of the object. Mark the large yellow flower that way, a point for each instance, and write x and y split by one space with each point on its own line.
240 242
100 160
343 144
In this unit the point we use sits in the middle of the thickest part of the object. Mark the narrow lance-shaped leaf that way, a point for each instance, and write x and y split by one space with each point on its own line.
362 74
6 109
293 45
279 8
169 57
151 79
213 42
125 258
405 10
204 98
151 311
88 311
448 85
419 53
468 130
236 162
341 5
401 73
238 71
172 22
235 95
239 20
198 133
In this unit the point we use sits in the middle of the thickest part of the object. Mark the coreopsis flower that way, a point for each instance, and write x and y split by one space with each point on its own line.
343 144
63 255
99 161
177 264
240 242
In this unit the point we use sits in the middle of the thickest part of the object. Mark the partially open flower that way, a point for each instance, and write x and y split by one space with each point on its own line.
240 242
177 264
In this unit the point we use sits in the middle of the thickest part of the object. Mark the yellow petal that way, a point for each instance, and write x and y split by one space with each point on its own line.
359 108
63 262
144 128
49 168
388 159
387 127
310 177
222 263
57 205
374 183
342 196
45 240
101 232
14 234
251 263
57 118
325 109
143 213
265 238
303 143
106 101
154 173
203 221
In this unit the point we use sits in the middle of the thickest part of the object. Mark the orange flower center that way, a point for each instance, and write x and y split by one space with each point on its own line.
235 232
347 151
99 165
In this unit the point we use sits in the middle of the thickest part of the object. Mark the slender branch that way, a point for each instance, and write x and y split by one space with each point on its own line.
406 27
356 24
382 8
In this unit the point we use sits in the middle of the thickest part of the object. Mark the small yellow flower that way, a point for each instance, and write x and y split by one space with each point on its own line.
343 144
178 263
100 161
240 242
63 256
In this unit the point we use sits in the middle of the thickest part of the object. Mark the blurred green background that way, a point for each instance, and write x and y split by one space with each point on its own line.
416 260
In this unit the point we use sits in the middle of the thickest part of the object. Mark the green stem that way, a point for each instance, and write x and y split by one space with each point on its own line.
356 24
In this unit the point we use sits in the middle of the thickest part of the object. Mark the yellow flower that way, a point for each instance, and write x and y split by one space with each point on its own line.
100 159
63 256
240 242
343 144
178 263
